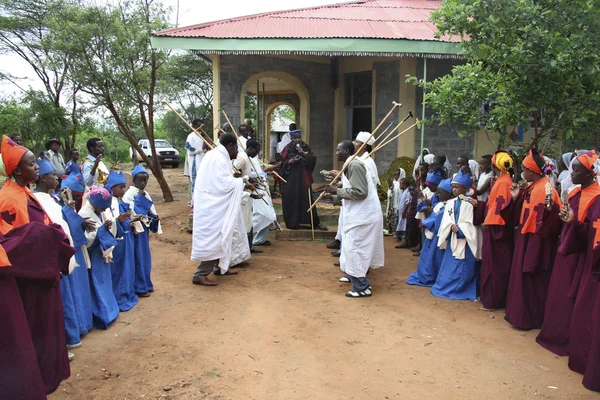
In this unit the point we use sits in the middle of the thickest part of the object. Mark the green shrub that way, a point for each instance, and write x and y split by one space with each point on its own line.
405 163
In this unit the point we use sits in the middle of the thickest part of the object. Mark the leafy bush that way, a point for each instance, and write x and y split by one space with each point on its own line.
405 163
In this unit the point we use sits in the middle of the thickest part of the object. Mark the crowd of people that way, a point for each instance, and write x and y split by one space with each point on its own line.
530 248
482 236
92 258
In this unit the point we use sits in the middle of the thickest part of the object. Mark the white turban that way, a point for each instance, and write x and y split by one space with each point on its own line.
364 136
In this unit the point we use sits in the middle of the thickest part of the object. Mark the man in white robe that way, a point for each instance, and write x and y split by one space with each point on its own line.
263 215
217 211
362 222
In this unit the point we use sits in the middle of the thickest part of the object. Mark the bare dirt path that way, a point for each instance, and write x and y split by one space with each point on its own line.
282 329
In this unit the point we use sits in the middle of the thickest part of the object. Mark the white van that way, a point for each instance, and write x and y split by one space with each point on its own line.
167 154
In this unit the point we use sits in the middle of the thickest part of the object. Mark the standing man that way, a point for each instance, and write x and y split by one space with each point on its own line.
55 158
243 135
362 224
94 171
195 148
485 177
218 207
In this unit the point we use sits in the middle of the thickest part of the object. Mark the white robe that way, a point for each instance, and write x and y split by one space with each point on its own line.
465 223
242 163
194 158
129 198
372 167
393 194
54 211
362 238
217 210
263 214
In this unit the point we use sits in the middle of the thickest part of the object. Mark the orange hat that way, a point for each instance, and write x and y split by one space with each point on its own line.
11 155
588 159
529 163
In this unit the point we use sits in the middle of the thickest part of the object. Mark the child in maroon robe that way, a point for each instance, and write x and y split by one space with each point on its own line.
570 260
25 223
498 237
536 210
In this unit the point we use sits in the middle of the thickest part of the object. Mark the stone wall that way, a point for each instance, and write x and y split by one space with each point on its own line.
236 70
440 138
387 87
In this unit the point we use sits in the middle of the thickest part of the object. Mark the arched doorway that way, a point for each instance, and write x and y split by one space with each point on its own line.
272 89
278 124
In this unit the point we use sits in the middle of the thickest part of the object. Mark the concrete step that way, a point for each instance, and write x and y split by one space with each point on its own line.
305 234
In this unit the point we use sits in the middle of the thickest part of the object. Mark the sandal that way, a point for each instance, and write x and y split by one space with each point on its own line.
366 293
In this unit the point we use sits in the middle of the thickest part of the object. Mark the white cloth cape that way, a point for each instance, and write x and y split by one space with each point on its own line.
372 167
87 211
217 209
362 236
54 211
194 157
285 139
129 198
465 223
242 163
263 214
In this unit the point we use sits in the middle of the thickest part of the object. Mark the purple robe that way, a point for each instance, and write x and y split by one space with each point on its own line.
532 263
564 285
41 299
584 343
496 258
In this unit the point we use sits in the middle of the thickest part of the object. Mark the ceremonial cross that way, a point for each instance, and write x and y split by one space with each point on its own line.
8 217
596 226
499 203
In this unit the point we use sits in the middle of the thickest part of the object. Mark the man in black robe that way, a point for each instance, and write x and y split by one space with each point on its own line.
298 163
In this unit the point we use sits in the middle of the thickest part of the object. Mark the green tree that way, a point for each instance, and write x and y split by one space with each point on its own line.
117 67
27 31
530 62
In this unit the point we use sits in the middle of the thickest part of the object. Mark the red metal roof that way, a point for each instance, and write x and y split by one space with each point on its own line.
369 19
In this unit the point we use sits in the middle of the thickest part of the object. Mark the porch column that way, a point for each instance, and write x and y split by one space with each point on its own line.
216 72
406 142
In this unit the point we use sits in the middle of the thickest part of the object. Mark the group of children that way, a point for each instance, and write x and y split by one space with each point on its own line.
104 267
516 247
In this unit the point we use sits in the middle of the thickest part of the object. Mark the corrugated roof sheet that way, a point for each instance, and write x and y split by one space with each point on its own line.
369 19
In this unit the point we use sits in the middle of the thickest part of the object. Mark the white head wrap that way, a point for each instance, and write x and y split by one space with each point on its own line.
364 137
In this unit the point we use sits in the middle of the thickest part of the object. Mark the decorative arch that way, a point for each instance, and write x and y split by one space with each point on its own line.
303 120
270 109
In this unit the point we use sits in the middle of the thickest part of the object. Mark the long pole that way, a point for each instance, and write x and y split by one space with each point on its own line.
312 224
423 104
257 105
393 138
188 124
394 106
409 115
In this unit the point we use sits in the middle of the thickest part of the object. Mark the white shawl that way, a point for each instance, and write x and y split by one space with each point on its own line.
465 223
129 198
217 208
54 211
87 211
263 214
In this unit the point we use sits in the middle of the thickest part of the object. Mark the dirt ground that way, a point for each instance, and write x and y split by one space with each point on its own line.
282 329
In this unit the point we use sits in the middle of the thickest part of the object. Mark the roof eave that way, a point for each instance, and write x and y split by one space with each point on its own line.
313 46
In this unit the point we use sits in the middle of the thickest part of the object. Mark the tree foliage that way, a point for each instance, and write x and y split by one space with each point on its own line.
530 62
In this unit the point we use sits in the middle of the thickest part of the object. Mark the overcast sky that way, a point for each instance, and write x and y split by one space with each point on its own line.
190 12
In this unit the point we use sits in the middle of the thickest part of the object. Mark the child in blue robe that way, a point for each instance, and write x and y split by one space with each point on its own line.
79 279
142 205
101 242
457 278
123 266
431 255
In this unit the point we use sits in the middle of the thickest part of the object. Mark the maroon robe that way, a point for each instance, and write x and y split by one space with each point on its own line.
564 285
496 257
38 281
584 344
532 263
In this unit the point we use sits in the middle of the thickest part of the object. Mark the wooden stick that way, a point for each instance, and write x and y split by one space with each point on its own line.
244 148
400 281
190 126
312 224
409 115
394 106
394 138
274 173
